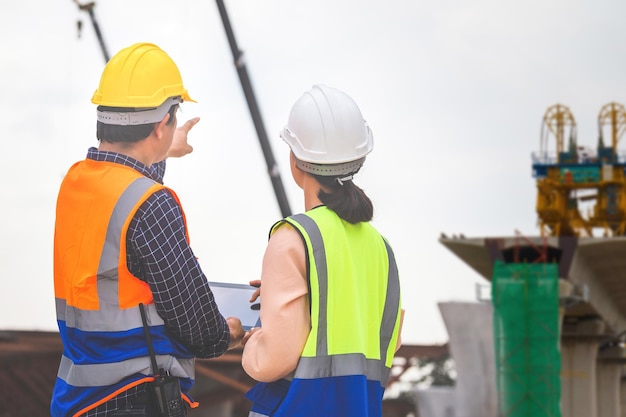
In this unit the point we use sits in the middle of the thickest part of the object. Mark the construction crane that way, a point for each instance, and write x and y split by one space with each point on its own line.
240 65
581 190
88 7
244 78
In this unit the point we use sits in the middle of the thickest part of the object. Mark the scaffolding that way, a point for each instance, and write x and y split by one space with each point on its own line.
526 333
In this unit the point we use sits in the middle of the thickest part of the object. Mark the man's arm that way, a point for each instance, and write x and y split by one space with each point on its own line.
158 253
180 147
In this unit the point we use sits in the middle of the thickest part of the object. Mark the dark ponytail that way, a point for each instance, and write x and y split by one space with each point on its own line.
348 200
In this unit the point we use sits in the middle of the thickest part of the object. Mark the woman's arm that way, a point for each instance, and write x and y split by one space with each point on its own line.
272 352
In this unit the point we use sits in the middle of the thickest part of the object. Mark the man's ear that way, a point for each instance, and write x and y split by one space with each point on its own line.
158 128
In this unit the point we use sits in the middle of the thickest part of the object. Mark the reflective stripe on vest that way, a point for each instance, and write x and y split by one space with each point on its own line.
322 365
107 287
97 375
105 319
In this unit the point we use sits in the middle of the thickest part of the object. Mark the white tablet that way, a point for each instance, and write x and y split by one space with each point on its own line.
233 300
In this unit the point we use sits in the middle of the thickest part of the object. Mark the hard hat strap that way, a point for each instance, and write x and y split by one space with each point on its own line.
346 178
139 116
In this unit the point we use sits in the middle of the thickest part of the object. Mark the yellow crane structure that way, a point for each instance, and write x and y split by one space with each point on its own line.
581 190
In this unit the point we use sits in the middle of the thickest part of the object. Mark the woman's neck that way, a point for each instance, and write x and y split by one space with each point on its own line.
311 190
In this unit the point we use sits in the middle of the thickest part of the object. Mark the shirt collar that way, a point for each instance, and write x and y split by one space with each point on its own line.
118 158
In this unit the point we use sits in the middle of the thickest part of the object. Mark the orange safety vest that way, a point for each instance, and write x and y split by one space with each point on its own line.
97 297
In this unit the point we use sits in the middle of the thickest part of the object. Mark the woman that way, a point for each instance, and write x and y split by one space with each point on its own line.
330 309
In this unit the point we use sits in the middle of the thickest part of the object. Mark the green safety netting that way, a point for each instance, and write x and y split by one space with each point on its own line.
526 334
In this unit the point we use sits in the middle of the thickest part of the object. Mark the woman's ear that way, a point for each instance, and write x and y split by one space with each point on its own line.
296 173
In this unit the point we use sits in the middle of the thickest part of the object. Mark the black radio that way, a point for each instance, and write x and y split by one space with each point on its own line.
166 397
165 394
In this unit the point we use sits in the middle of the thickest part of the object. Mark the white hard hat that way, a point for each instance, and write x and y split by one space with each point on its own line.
327 133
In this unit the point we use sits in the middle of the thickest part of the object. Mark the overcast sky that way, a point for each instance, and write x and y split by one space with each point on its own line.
454 92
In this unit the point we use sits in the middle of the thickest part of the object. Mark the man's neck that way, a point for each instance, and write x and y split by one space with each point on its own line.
134 150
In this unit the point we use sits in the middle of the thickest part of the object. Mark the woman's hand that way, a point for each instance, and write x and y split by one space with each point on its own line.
248 334
255 283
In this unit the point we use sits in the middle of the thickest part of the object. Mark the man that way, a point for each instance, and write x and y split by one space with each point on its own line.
121 251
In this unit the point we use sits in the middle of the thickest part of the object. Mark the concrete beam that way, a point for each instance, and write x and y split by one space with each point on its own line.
592 263
581 275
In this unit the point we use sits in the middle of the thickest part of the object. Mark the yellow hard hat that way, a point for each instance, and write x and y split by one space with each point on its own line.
141 76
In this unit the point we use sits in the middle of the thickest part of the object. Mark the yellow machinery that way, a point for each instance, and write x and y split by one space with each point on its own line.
580 189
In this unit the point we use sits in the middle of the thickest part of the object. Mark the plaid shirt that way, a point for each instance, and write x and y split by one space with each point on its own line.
158 253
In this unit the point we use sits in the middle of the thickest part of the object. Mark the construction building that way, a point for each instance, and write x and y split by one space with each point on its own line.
559 298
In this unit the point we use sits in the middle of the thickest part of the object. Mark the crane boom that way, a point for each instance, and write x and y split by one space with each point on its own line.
88 7
240 64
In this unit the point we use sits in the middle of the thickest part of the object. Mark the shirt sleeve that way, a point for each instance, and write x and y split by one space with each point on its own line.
273 351
159 254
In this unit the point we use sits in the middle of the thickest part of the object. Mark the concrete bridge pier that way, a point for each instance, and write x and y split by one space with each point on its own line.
470 331
593 301
609 374
579 371
623 396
